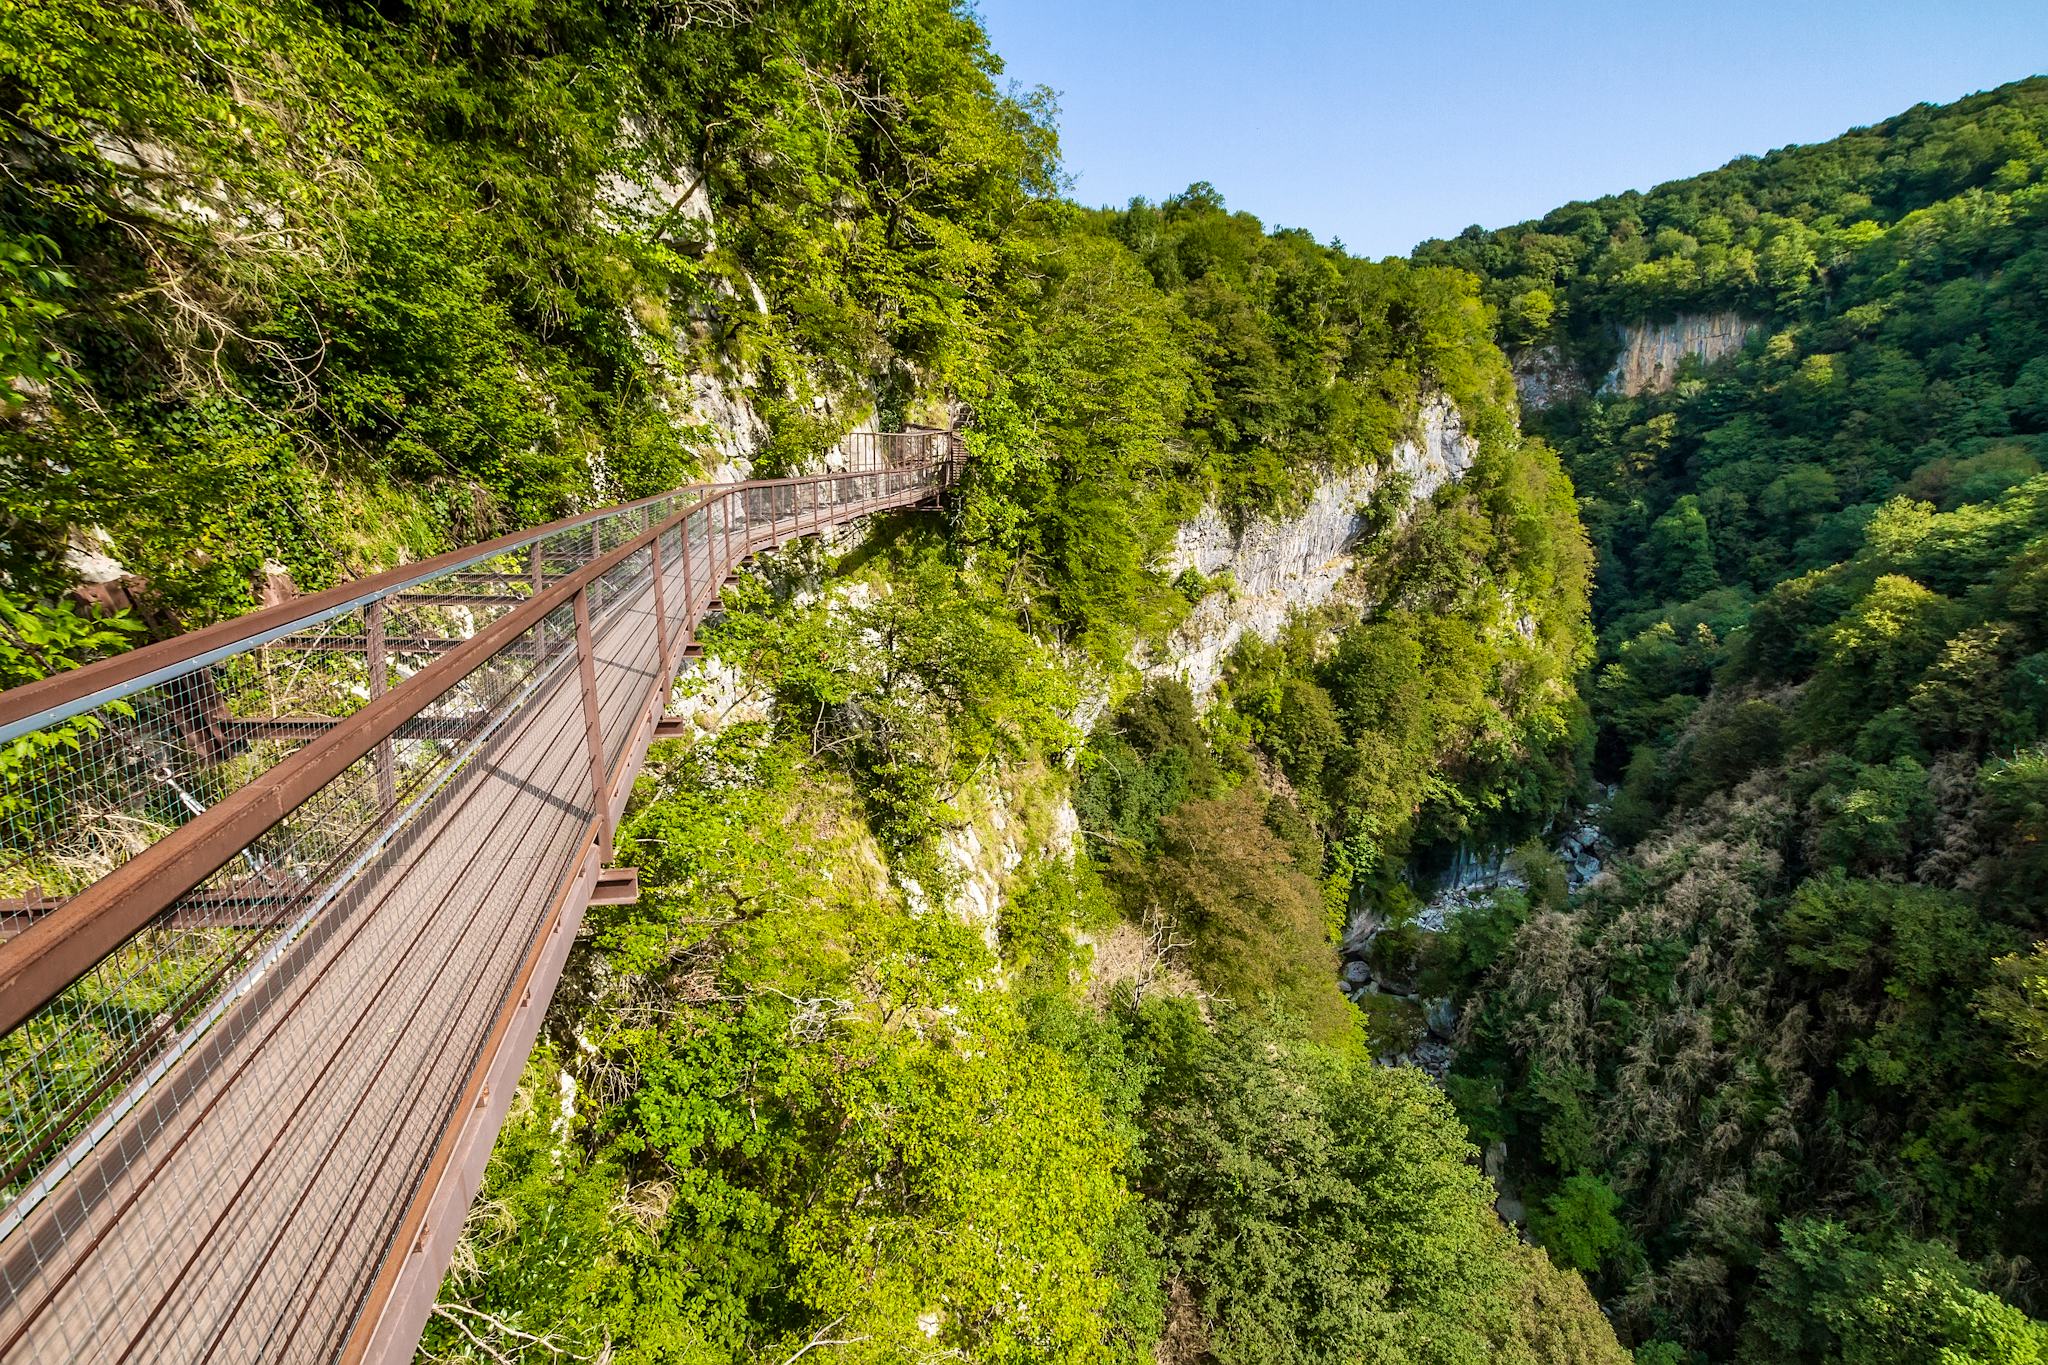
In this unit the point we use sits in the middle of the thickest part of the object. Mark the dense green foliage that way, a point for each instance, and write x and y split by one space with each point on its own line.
1776 1079
1323 1210
785 1107
400 273
406 273
1895 275
1826 1298
1166 353
787 1118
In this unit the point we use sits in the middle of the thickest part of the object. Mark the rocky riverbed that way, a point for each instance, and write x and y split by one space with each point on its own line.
1379 956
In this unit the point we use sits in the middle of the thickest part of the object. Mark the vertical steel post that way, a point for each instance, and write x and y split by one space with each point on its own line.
660 602
689 588
537 570
387 758
593 724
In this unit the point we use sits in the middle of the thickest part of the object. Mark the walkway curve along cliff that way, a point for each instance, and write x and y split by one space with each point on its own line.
286 898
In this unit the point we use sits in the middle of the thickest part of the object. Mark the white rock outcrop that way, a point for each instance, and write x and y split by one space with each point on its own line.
1651 352
645 191
89 557
984 853
731 427
1280 566
1545 377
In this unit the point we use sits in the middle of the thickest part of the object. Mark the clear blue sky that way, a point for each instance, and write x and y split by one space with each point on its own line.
1387 123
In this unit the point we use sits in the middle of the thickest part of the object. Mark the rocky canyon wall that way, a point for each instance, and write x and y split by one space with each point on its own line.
1276 566
1651 352
1650 356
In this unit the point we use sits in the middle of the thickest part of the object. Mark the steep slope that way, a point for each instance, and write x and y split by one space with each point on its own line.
1775 1080
405 273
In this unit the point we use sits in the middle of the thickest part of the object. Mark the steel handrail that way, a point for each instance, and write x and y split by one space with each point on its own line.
62 696
43 960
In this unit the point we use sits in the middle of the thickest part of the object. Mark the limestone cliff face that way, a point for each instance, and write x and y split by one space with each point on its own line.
1013 822
1651 351
1277 566
1545 377
648 196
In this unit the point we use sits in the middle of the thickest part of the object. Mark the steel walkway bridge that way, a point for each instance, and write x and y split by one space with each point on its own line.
286 899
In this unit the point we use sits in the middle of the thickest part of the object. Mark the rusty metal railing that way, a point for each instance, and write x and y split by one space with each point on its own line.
185 830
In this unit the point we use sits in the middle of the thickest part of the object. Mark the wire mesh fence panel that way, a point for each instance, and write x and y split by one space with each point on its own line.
70 1060
316 1002
81 796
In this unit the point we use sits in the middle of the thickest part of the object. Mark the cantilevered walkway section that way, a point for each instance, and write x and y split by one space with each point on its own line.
286 898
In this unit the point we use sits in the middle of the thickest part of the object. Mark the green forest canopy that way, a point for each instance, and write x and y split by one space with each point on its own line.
1809 987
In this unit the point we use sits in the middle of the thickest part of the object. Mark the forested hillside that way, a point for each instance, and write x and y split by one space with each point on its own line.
1775 1082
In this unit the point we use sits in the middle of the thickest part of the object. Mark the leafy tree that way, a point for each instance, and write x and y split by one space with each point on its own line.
2017 1000
1874 817
1529 315
1826 1296
1873 656
1149 758
1680 547
1325 1210
1300 729
1255 918
1577 1225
